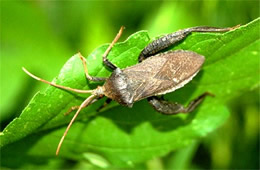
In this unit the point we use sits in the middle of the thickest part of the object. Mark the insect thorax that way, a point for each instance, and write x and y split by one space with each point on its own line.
117 88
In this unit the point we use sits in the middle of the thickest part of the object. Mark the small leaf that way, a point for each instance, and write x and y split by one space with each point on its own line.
127 136
96 160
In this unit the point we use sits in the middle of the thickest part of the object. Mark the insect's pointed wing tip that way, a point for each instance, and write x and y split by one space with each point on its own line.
201 58
195 56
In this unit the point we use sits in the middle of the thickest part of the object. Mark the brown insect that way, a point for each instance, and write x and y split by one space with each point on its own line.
155 75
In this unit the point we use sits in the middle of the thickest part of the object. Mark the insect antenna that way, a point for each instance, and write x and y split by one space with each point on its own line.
84 104
56 85
95 93
91 99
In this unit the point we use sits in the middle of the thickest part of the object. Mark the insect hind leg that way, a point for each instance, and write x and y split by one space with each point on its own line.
172 38
170 108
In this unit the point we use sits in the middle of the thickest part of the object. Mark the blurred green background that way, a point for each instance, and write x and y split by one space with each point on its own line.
43 35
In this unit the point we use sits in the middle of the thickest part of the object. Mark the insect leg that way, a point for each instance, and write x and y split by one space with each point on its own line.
105 59
169 108
71 109
89 77
172 38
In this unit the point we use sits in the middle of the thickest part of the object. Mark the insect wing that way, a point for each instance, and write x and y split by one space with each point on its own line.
163 73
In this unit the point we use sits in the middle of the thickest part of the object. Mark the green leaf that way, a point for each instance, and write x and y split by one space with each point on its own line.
125 136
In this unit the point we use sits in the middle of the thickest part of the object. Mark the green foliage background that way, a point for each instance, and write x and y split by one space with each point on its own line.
43 35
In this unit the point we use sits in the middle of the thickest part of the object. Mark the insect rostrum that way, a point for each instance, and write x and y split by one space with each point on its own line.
156 74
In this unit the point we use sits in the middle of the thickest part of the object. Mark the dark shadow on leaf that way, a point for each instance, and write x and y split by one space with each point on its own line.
15 155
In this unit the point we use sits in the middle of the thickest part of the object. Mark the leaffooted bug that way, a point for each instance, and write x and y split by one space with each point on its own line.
156 74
